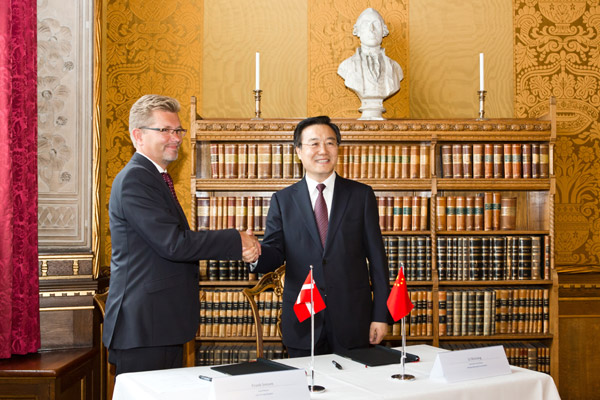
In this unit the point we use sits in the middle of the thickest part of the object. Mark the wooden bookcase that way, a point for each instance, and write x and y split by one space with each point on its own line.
534 216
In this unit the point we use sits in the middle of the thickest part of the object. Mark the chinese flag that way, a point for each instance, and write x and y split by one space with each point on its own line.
302 308
399 303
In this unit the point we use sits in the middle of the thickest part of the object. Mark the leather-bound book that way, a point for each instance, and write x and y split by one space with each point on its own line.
508 213
457 163
440 211
498 161
467 160
252 161
221 152
460 211
526 160
508 160
397 217
242 161
478 161
488 161
447 161
231 160
405 170
424 167
469 213
276 161
356 157
451 213
544 160
203 213
535 160
488 211
264 165
478 214
288 161
414 161
517 166
214 160
496 199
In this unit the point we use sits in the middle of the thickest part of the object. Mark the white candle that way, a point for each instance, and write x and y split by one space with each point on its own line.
257 70
481 72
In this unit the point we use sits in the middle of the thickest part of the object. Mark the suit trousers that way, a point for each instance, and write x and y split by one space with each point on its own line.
326 343
146 358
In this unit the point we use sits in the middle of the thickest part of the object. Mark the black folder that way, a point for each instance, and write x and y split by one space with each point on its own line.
252 367
373 356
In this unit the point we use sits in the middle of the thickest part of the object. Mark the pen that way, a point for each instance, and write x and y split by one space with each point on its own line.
205 378
338 366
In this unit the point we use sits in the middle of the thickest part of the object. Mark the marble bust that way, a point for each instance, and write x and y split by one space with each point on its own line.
370 73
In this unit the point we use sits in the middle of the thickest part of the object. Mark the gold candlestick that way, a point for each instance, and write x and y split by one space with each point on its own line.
482 94
257 103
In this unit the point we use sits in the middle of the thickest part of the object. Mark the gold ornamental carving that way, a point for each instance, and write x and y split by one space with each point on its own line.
557 54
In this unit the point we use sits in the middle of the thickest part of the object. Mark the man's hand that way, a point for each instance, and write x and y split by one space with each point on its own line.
250 246
377 332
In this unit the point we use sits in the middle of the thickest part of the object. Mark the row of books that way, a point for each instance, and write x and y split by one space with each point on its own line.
232 212
497 160
413 253
225 270
384 161
227 313
531 355
254 161
487 211
398 213
493 311
403 213
218 354
495 258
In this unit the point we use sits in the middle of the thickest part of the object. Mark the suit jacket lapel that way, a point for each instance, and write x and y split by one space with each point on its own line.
162 185
302 200
341 195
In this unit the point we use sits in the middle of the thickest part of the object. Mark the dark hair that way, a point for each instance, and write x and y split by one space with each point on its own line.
321 120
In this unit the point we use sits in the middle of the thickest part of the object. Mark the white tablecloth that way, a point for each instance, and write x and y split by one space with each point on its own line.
355 381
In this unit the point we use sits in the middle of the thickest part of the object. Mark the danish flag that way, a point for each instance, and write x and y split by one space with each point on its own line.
303 308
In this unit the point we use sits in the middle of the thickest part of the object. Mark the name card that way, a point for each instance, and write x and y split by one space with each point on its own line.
289 385
462 365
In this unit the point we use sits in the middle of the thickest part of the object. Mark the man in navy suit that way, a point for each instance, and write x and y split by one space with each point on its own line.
153 304
338 248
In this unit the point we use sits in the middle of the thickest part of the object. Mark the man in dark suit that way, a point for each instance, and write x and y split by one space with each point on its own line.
153 304
336 230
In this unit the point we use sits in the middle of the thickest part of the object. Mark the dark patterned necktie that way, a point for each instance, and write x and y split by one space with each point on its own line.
169 182
321 214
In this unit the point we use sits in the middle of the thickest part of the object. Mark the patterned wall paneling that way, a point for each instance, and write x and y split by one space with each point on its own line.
330 41
150 47
446 38
557 54
234 31
64 128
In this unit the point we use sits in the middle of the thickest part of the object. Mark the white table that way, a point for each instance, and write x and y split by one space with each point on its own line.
355 381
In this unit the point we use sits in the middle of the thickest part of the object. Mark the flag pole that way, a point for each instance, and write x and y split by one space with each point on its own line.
312 387
403 376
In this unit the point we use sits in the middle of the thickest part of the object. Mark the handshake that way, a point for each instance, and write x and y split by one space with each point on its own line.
250 246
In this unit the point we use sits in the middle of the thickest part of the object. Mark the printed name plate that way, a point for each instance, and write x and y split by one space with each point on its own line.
289 385
462 365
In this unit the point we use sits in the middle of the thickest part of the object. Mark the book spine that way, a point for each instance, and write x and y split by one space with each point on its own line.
460 212
451 213
467 157
469 213
508 213
221 158
479 212
457 162
203 213
264 164
424 167
535 160
276 161
496 204
517 166
488 211
544 160
508 161
405 169
488 161
298 169
377 162
441 253
440 217
478 161
526 160
447 171
288 161
356 161
231 160
498 161
414 161
252 161
397 216
214 160
389 213
442 296
424 213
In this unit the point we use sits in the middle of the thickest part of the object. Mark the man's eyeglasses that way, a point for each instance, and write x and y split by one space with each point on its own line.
167 131
329 144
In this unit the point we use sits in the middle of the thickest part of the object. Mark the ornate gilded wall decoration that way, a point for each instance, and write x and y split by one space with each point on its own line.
557 54
151 47
330 41
64 129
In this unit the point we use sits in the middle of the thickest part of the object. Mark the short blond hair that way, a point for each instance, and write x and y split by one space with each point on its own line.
141 113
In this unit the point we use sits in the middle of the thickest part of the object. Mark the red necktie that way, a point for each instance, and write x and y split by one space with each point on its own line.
169 181
321 214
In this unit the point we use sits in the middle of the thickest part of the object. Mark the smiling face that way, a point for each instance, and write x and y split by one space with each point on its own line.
318 151
159 147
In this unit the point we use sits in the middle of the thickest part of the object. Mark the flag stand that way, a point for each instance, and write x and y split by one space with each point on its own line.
403 376
312 387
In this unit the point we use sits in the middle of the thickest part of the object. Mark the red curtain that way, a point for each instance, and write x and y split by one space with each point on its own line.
19 297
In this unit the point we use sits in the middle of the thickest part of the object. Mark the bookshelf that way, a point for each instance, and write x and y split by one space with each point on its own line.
492 252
